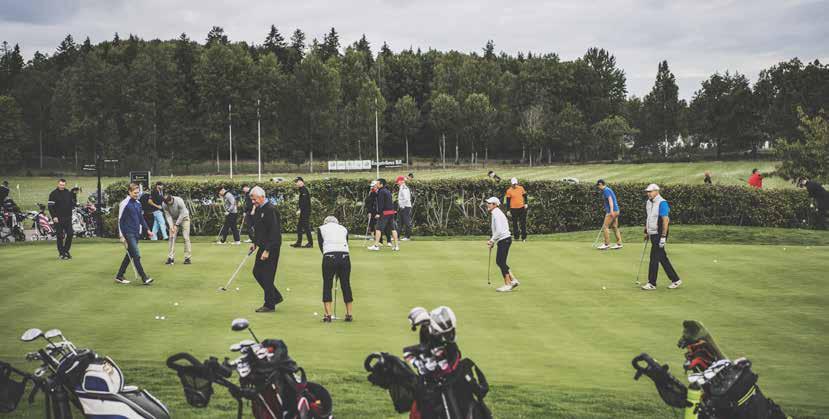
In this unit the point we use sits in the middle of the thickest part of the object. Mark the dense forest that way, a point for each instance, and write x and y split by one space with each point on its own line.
144 101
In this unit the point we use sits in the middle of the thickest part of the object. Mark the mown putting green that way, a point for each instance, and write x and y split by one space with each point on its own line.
558 347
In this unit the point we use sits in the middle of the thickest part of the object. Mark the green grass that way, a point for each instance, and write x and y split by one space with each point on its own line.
559 347
36 189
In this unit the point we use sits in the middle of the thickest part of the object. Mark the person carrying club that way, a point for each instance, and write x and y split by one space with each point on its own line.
304 212
246 218
404 205
332 239
657 212
516 199
268 240
231 212
130 224
178 217
820 197
501 238
156 201
61 204
385 216
611 216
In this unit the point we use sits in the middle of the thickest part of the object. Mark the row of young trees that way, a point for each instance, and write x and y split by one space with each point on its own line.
144 101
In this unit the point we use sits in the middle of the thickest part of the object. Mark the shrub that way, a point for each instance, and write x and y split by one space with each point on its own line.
456 206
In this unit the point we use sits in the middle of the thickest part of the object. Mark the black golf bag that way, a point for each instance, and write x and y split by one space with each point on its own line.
733 394
276 386
11 391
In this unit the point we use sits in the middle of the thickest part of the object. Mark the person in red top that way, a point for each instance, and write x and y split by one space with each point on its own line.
756 179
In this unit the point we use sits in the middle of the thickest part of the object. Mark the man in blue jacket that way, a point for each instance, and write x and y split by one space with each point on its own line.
130 222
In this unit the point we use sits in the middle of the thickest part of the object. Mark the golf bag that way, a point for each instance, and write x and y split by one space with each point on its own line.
69 377
434 381
718 388
275 385
11 228
41 224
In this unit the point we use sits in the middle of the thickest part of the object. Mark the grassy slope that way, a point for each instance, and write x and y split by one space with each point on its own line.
561 346
36 189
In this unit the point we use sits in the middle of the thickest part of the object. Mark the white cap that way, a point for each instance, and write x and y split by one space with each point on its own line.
493 200
330 219
652 187
513 181
373 183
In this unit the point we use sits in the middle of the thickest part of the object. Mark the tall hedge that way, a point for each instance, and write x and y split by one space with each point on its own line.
456 207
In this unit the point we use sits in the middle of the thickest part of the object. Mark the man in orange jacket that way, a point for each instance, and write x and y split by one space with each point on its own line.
516 199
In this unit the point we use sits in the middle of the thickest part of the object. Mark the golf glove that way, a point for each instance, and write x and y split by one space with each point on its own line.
662 242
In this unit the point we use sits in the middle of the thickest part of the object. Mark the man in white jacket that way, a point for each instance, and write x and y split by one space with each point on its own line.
404 206
501 238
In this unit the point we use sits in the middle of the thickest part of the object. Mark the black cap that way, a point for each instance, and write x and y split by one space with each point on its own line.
600 182
298 178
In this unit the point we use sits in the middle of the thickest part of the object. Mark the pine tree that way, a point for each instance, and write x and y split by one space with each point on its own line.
330 45
216 35
276 45
363 46
489 50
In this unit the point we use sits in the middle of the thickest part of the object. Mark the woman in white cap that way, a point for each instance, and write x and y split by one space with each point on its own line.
333 243
656 229
501 237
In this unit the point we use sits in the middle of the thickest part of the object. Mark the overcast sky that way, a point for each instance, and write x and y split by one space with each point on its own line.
697 37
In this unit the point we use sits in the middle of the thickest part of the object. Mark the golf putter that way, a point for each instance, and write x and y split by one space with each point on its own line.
489 268
641 259
336 280
232 277
595 242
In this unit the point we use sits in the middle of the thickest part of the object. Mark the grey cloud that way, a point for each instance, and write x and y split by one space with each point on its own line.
697 38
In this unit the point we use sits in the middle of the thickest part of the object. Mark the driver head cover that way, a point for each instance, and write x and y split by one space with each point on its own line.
330 219
418 315
443 322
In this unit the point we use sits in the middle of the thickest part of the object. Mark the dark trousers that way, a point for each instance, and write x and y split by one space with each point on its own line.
502 253
406 221
265 273
519 219
248 220
658 256
230 226
65 233
134 254
336 263
372 224
304 226
820 220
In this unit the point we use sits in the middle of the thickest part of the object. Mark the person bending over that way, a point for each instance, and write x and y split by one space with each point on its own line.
333 243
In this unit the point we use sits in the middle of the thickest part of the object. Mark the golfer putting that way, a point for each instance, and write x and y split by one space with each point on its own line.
611 217
656 229
333 243
268 240
502 239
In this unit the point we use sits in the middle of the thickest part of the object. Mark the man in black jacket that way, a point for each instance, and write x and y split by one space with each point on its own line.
385 216
61 204
820 197
268 239
371 208
304 213
248 206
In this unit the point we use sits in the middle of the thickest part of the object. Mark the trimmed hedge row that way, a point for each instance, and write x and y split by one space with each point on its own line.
456 207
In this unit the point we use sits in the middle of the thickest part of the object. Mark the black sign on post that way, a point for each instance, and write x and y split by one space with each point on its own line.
142 178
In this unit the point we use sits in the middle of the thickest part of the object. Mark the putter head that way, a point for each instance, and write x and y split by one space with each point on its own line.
31 335
53 333
239 324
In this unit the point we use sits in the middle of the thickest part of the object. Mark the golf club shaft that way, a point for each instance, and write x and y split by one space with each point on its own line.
232 277
132 261
641 260
489 267
336 280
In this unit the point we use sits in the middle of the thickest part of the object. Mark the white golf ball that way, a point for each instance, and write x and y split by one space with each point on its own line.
289 290
604 288
784 249
175 304
163 318
316 314
157 317
237 288
715 260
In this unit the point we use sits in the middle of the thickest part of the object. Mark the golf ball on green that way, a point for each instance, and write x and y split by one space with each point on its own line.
163 318
316 314
604 288
157 318
237 288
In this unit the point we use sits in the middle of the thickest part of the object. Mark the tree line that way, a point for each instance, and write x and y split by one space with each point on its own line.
150 100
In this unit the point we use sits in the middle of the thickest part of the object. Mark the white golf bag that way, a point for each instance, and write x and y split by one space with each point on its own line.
103 394
78 224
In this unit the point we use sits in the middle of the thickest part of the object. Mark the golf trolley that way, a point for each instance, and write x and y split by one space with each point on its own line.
41 225
69 376
276 386
718 388
434 381
11 224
